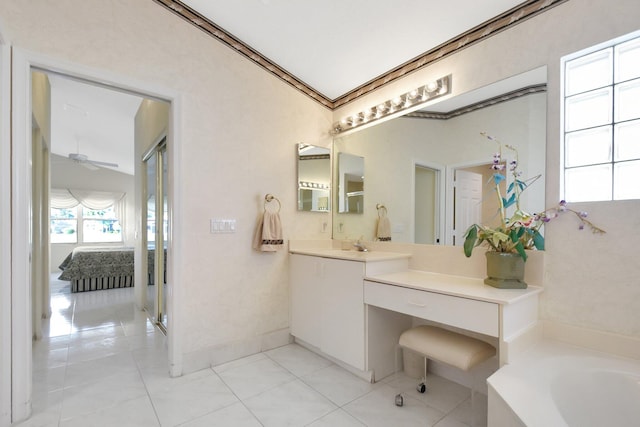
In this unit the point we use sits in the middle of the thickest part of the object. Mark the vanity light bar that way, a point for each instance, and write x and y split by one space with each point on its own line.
413 98
319 186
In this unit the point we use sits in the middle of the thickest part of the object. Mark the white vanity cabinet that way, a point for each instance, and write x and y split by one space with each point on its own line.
327 305
353 306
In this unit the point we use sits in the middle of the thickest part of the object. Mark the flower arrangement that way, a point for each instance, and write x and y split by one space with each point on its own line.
521 231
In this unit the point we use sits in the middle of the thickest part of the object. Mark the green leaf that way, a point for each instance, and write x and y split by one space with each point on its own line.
521 251
510 202
470 240
538 240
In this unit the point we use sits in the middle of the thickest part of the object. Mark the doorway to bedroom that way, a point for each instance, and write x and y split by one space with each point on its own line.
95 217
158 113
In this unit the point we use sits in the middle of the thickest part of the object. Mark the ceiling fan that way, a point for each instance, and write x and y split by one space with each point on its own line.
88 163
84 160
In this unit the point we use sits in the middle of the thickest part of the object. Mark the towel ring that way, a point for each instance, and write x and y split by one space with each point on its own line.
381 209
268 198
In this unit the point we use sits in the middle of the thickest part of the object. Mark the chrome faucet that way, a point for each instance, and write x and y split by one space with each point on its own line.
359 245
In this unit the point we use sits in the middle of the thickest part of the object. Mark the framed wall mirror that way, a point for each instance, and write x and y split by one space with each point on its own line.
413 161
314 178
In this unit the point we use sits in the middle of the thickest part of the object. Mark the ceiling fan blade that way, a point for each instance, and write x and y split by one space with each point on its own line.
78 157
97 163
89 166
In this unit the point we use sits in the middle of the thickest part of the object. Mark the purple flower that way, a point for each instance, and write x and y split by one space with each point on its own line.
581 226
583 214
563 203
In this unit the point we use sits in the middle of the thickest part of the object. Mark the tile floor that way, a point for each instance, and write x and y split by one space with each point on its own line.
102 363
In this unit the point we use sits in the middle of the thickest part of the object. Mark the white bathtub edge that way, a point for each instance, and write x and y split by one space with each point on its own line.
499 413
606 342
523 387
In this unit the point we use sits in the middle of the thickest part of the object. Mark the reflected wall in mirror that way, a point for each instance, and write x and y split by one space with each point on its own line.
314 178
350 180
412 163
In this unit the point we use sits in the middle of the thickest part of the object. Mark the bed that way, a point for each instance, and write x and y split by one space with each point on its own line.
98 268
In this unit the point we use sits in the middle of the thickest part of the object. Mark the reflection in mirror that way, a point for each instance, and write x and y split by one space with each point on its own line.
350 183
314 178
412 161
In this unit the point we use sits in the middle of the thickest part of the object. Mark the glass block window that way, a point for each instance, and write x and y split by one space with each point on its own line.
601 147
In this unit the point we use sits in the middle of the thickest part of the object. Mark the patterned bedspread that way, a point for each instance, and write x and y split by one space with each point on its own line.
91 269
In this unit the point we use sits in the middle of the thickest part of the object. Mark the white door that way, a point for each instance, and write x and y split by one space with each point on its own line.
467 203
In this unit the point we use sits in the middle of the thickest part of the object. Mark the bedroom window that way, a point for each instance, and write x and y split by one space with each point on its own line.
100 225
64 225
85 225
602 123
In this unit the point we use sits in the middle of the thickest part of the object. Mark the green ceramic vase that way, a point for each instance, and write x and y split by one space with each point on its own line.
505 270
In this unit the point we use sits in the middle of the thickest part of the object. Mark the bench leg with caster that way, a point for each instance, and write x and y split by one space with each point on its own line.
454 349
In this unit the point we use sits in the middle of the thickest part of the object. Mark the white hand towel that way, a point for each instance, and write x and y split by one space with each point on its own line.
268 235
383 232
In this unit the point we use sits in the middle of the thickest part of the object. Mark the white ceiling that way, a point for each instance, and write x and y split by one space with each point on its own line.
94 121
334 46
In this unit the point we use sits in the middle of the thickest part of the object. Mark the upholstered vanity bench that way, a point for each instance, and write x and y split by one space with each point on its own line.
454 349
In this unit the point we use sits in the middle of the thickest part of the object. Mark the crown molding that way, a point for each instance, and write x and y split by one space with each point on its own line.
478 105
487 29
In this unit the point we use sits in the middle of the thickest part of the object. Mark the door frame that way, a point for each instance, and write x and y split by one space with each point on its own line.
23 63
440 196
5 232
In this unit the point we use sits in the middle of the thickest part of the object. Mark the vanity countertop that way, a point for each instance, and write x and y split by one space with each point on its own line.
352 255
465 287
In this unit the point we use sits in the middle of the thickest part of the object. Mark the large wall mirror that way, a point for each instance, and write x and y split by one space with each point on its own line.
413 162
350 182
314 178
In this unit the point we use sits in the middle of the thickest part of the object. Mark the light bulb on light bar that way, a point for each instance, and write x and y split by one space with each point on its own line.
432 86
415 97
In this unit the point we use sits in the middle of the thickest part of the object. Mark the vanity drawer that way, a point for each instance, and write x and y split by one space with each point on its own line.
465 313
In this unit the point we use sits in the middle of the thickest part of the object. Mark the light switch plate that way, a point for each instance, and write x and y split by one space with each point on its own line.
219 226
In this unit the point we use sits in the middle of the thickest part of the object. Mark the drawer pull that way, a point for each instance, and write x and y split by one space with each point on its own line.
417 304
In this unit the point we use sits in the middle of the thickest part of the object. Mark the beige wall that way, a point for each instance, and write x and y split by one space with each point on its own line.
41 144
